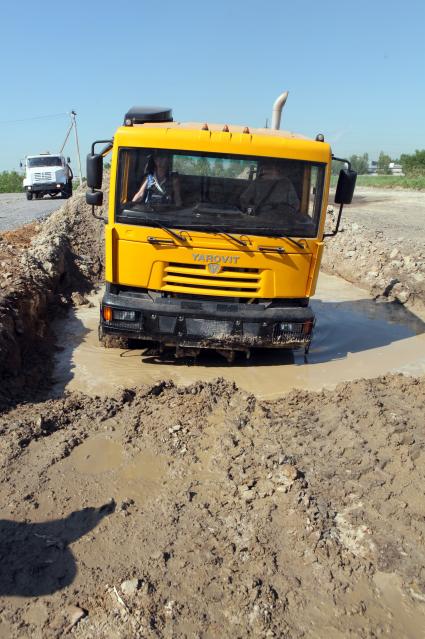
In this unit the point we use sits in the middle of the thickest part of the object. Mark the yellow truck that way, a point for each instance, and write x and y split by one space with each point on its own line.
215 232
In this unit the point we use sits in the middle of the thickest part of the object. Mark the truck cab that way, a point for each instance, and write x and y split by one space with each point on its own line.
214 235
47 174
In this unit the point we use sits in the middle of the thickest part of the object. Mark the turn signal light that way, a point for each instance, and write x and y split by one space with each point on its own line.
308 327
107 313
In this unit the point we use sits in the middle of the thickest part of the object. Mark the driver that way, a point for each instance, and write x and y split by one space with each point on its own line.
160 185
272 191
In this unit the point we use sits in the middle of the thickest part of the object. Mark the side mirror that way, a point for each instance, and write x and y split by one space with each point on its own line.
345 187
20 164
94 171
68 159
94 198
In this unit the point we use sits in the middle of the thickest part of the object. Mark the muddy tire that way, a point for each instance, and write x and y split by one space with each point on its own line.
111 341
67 191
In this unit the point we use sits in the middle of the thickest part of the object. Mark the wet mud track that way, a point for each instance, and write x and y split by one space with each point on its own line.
354 337
201 511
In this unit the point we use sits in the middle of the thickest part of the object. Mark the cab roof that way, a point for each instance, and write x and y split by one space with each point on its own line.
232 128
222 138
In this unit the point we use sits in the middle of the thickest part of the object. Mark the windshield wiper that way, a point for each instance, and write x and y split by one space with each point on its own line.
165 228
214 229
230 236
290 239
282 237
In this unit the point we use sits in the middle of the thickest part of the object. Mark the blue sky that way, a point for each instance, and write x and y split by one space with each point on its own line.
355 70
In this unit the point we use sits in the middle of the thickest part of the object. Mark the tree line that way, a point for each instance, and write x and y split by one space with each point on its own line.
412 164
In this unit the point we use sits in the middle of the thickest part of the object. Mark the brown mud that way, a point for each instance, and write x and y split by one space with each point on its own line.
225 515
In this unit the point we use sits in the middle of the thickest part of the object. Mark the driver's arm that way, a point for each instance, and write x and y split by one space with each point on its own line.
140 193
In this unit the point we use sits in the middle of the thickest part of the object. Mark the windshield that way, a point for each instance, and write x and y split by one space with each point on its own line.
44 160
228 193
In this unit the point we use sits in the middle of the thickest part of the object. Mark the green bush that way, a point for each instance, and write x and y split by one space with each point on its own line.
414 164
10 182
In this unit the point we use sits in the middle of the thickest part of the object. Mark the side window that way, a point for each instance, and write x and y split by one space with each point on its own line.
314 174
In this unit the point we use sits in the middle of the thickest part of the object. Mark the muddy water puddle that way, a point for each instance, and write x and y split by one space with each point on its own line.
354 337
103 459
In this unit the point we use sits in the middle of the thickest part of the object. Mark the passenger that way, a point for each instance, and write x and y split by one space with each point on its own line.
272 191
159 185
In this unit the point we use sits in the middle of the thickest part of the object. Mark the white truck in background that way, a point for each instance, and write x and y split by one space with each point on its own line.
47 174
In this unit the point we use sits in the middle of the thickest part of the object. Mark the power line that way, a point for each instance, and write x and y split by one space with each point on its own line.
37 117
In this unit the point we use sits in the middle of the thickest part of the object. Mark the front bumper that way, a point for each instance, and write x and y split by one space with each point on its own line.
47 187
209 324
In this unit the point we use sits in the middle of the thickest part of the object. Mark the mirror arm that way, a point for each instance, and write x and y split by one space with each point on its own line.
107 148
104 152
342 160
98 217
335 231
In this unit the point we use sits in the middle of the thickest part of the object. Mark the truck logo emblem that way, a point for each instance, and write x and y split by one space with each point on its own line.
215 259
213 268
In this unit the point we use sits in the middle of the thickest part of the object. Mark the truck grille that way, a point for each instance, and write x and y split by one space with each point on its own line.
45 176
230 281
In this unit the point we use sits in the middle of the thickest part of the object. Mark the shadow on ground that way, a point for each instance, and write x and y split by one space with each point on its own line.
35 558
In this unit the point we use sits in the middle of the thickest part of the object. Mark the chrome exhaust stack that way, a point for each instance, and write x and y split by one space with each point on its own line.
277 110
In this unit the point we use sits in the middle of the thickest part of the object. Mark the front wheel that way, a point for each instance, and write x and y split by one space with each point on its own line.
111 341
67 191
29 195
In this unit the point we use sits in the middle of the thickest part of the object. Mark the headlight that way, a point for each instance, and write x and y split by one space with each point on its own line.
58 186
285 326
127 316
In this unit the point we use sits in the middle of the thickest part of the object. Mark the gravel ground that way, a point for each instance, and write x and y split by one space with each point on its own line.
398 213
381 246
16 210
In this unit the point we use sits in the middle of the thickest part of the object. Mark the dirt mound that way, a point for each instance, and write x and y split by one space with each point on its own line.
222 515
42 265
390 268
18 238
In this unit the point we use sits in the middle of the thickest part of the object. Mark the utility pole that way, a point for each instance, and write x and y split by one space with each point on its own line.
66 137
74 122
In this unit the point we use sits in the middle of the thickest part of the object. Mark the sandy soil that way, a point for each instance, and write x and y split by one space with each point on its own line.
230 517
398 213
